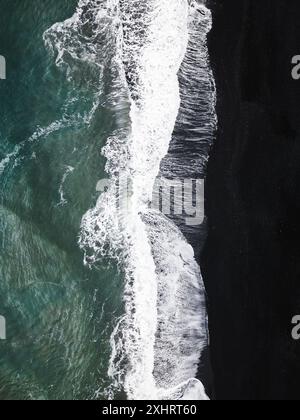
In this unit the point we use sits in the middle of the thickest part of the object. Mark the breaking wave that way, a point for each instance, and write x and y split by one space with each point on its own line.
131 53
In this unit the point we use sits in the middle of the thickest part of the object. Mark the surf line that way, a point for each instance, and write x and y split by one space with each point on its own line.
157 343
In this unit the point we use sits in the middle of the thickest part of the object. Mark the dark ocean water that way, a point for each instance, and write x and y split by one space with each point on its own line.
59 314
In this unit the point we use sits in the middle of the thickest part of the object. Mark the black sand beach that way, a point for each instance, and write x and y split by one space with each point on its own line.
251 261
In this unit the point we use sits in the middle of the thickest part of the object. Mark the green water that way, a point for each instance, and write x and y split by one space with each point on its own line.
59 313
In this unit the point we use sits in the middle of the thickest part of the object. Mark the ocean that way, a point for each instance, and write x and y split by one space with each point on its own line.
102 300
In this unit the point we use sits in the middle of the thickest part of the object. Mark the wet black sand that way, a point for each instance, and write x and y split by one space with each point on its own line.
251 261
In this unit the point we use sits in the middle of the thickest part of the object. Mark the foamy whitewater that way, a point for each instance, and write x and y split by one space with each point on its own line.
138 48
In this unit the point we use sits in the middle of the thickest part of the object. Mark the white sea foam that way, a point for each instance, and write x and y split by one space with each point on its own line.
157 344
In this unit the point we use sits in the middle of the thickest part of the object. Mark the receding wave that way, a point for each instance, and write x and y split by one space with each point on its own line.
133 52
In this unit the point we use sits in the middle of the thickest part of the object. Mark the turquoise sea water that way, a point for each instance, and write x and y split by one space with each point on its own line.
59 314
